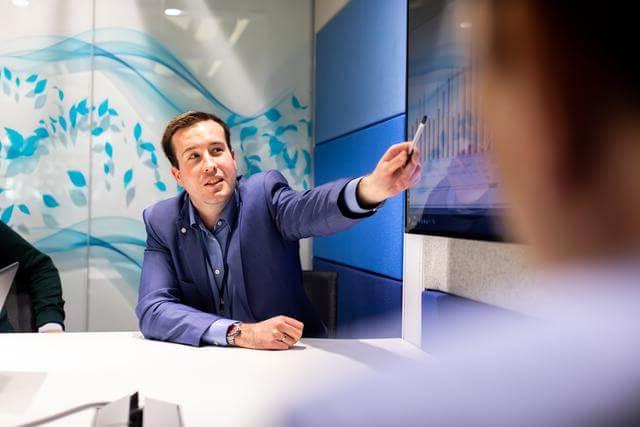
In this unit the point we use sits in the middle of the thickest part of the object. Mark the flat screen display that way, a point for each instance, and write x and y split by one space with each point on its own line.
458 195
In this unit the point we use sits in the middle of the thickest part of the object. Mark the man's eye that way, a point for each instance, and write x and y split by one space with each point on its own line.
193 156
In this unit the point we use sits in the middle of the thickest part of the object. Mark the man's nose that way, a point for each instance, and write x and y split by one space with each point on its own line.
209 164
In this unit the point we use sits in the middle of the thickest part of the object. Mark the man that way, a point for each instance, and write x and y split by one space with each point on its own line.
562 97
38 276
222 264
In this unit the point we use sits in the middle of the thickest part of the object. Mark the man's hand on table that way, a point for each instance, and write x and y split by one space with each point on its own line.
277 333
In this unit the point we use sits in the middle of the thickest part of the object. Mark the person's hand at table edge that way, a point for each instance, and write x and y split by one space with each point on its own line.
276 333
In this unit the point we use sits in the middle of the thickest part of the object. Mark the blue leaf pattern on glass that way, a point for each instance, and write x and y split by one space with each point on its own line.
63 123
82 107
50 201
307 160
137 131
7 73
131 193
108 149
275 146
296 104
41 133
103 108
73 115
15 138
32 78
282 129
128 176
148 146
247 132
78 198
30 146
77 178
6 214
24 209
97 131
273 115
290 162
161 186
40 86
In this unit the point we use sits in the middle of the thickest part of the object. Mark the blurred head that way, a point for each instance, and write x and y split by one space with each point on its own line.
561 92
197 145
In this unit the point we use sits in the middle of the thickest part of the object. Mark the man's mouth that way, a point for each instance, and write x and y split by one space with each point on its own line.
213 182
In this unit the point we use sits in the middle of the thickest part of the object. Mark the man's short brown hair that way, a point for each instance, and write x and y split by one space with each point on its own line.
184 121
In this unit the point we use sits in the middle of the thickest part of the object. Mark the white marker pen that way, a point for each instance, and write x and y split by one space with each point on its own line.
417 135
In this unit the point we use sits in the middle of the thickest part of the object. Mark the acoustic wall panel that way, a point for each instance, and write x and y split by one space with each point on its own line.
375 244
360 67
369 306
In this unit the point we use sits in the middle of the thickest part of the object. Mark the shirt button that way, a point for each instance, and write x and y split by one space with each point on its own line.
217 271
183 230
219 223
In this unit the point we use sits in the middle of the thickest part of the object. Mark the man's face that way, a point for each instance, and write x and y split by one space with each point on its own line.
207 168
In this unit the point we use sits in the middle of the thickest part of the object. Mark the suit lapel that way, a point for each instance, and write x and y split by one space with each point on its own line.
236 263
193 255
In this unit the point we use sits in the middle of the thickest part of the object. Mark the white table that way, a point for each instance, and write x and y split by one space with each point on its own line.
41 374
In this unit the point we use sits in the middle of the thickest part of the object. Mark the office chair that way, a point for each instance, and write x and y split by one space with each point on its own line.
322 290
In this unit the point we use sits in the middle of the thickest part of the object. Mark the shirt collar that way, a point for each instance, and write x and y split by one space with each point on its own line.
227 216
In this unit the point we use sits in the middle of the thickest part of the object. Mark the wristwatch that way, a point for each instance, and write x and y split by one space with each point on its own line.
233 331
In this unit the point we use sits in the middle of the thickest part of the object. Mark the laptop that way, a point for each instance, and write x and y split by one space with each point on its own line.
6 279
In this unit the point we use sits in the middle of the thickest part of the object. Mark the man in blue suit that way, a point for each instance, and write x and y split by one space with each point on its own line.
222 263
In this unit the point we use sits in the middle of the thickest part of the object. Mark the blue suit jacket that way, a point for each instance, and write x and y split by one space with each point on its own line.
175 301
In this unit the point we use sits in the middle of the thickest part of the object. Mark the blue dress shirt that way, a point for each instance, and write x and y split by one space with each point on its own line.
215 243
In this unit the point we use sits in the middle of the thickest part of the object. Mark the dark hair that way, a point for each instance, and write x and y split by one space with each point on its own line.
184 121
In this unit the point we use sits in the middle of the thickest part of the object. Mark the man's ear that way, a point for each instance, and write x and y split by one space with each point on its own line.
176 175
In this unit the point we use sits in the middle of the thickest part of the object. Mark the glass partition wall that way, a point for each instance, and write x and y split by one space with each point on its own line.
86 88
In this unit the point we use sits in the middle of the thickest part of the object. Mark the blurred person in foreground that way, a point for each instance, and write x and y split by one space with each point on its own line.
38 276
561 90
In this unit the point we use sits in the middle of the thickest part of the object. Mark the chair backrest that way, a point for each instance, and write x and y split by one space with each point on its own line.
20 311
322 290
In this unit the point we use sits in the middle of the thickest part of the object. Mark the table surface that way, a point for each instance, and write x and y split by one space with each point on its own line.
41 374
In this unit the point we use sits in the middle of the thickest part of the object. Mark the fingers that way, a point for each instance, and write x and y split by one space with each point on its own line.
290 331
292 322
285 333
289 326
397 162
396 149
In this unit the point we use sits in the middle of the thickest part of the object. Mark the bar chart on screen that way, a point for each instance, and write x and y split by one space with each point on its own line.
452 147
457 194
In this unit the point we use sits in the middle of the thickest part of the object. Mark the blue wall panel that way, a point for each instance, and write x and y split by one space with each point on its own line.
360 67
375 244
369 306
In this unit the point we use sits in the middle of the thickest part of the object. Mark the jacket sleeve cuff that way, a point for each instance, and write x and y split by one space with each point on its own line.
50 316
351 198
217 332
